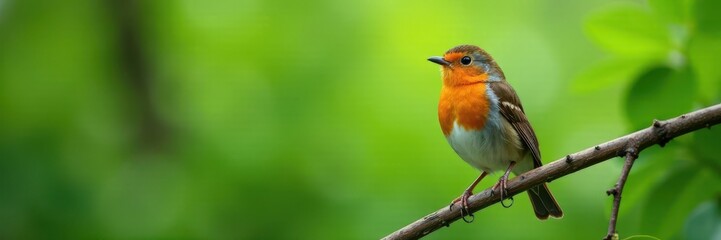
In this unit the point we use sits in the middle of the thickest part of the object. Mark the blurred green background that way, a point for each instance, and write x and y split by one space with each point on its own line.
317 119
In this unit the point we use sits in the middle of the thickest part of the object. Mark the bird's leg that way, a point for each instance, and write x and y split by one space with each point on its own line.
502 183
466 194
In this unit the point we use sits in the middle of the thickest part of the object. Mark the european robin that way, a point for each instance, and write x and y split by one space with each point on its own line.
483 120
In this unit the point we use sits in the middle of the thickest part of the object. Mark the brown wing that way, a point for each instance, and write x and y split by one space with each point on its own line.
512 110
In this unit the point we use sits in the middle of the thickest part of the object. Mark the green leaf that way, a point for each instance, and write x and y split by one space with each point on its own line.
706 149
607 73
703 52
704 222
673 198
659 93
675 11
708 19
629 30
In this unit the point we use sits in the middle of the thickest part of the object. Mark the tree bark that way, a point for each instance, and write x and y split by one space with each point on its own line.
659 133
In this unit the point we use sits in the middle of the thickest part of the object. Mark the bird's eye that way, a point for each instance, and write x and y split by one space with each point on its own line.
466 60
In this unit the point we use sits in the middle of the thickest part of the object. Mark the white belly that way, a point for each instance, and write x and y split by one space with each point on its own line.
492 148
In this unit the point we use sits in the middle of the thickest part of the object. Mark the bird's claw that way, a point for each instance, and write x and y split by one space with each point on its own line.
465 212
468 215
502 188
503 203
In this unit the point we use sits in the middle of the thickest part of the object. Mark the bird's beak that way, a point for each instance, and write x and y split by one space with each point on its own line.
439 61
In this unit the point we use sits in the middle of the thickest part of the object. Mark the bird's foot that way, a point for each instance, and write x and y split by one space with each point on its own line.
502 187
463 199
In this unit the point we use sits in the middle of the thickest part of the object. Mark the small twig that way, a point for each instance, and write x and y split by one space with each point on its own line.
617 190
702 118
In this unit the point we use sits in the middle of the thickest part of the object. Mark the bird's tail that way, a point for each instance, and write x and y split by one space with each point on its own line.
544 204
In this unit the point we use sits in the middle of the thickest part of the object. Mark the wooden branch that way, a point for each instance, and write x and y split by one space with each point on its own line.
660 133
617 190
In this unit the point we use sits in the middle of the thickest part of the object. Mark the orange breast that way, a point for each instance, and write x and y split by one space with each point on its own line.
466 104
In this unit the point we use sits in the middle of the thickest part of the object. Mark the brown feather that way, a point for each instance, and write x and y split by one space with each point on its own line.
543 202
512 110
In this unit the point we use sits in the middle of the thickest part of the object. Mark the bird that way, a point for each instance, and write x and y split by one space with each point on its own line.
483 120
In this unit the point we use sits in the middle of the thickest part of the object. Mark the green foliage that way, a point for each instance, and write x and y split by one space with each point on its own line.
705 148
704 222
659 86
629 30
673 11
707 19
673 198
703 52
607 73
678 71
317 119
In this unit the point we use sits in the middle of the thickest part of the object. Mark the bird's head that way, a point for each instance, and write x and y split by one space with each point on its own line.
467 64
